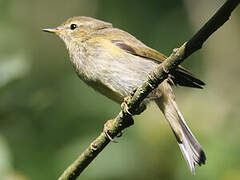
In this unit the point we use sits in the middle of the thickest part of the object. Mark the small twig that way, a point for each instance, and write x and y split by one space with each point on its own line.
124 119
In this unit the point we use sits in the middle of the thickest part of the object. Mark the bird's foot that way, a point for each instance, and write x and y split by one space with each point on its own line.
124 105
125 108
106 128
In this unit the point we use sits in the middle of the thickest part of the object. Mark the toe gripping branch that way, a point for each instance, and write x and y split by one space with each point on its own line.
125 120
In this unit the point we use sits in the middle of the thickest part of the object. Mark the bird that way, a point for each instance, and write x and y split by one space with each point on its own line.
115 63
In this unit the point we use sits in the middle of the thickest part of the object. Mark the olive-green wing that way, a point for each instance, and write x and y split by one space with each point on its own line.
180 76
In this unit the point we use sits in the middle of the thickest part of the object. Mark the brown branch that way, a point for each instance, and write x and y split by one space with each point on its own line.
124 118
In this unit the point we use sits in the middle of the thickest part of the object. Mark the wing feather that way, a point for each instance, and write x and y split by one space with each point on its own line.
125 41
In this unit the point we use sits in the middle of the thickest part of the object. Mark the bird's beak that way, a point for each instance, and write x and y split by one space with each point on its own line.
52 30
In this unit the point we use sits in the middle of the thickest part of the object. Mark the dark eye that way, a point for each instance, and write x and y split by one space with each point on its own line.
73 26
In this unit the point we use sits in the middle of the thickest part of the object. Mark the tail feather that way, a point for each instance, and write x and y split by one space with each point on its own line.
196 147
183 77
191 149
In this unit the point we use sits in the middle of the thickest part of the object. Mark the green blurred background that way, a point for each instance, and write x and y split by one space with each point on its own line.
48 116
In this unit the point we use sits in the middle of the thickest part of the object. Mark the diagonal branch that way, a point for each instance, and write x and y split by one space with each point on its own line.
124 118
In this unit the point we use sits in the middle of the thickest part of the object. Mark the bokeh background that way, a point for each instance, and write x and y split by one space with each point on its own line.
48 116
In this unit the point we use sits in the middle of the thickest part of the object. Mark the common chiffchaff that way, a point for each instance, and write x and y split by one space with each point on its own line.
115 63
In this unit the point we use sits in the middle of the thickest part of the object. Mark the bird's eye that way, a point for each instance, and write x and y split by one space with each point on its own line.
73 26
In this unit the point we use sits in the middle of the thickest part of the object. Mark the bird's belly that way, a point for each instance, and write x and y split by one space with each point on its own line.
116 77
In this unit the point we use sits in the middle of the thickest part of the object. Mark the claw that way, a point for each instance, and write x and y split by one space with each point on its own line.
124 105
109 137
105 130
125 108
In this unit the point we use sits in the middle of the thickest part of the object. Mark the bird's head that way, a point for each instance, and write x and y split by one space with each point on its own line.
77 28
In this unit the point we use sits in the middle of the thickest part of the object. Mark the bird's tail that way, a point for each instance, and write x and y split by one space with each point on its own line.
191 149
